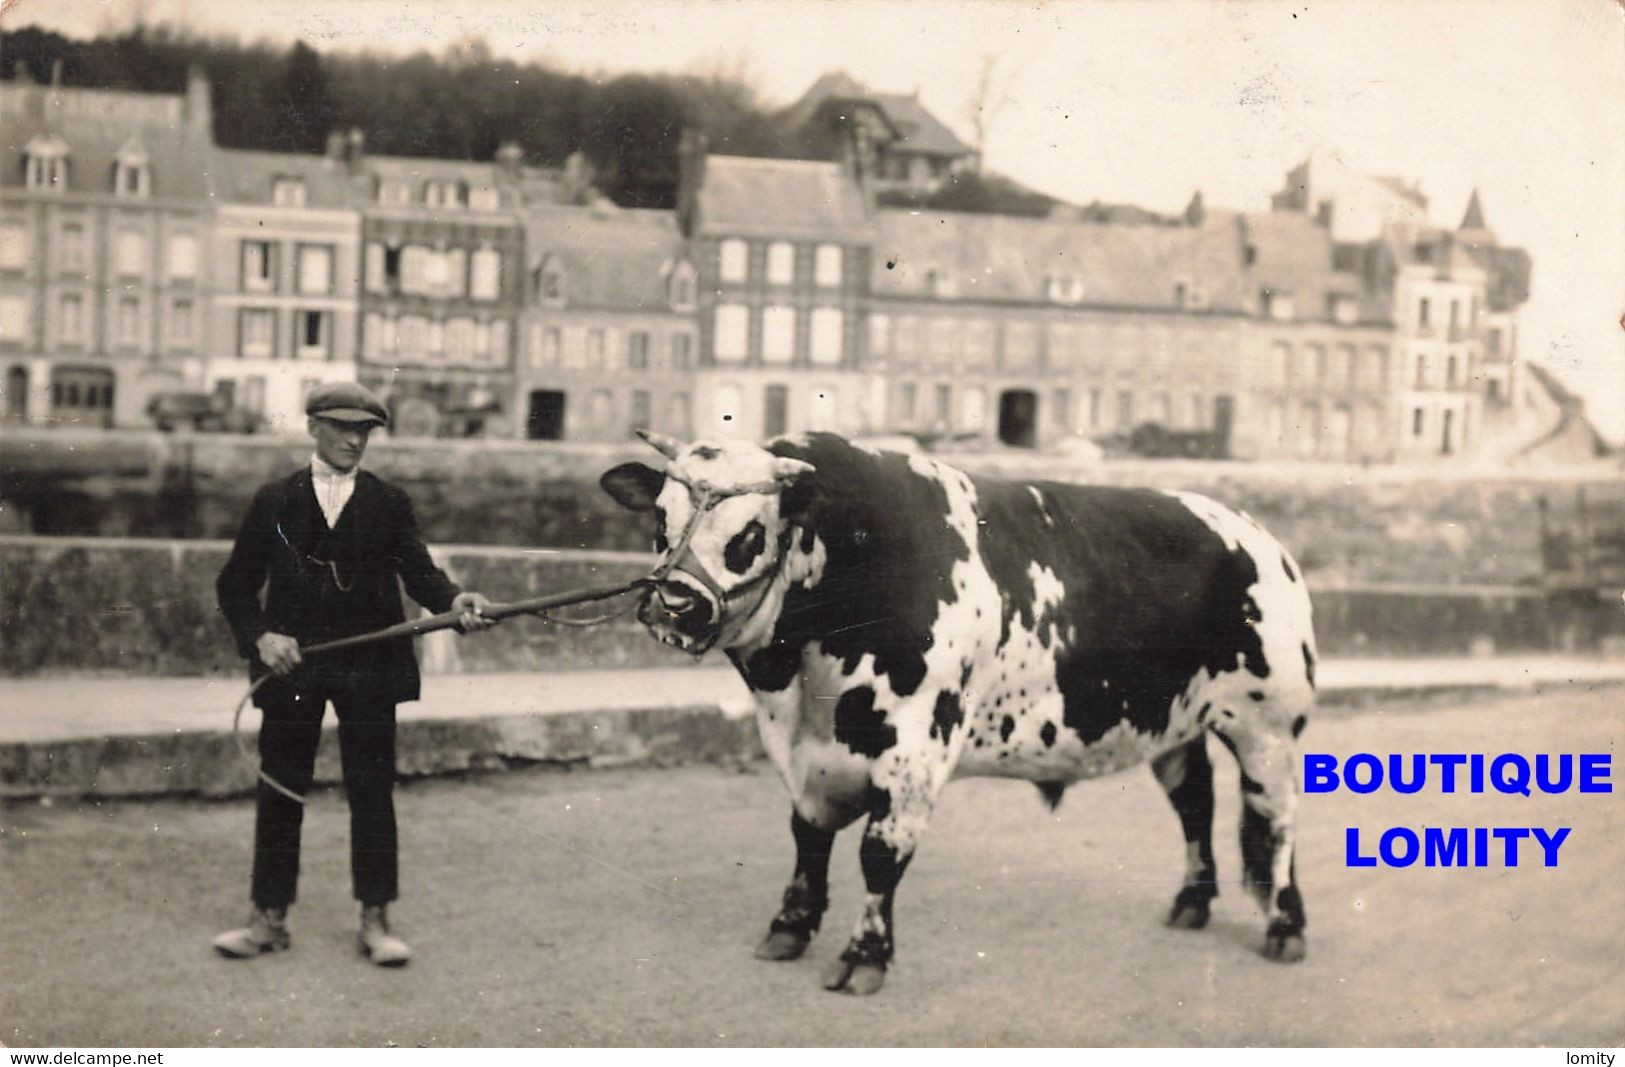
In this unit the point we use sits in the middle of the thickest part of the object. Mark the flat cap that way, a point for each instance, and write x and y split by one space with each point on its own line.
347 402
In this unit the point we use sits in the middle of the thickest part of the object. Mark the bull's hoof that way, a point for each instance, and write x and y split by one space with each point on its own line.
1188 916
783 945
860 979
1285 944
1191 908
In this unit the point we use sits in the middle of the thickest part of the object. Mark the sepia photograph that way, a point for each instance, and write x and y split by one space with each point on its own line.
811 524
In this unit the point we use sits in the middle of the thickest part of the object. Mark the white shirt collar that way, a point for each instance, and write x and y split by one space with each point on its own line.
327 472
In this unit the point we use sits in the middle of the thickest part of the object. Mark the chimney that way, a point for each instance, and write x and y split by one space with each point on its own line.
199 110
691 153
510 160
355 149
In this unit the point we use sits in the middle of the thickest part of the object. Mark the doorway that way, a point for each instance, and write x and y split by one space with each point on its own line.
545 421
1018 417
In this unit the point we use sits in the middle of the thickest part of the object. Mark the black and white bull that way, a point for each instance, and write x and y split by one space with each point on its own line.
901 623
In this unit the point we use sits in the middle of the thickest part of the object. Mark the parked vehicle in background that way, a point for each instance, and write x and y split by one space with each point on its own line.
204 412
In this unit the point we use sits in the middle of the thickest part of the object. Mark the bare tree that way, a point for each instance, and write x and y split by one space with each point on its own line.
989 95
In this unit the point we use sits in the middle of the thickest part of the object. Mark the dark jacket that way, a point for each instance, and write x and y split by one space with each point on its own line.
323 583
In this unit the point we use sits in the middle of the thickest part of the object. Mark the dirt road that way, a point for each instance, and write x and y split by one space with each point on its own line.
621 908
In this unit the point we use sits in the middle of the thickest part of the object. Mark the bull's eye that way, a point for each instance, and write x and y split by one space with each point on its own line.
746 545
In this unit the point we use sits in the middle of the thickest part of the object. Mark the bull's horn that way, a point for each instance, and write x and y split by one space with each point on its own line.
787 470
666 446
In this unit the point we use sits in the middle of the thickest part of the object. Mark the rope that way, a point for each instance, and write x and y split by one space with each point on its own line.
536 607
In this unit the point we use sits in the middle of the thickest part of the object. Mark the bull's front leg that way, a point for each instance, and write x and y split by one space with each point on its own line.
805 898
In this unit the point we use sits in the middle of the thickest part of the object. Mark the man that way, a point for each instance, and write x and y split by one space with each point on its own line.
327 545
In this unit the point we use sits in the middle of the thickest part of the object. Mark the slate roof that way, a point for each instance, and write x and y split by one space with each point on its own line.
238 176
177 153
1294 255
780 198
613 258
1003 258
918 129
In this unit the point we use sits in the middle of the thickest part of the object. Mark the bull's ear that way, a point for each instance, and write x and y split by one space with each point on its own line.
798 497
633 485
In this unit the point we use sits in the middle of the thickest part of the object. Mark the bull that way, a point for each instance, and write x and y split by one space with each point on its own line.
901 623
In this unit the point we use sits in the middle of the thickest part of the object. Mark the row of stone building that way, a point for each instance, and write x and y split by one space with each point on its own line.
139 260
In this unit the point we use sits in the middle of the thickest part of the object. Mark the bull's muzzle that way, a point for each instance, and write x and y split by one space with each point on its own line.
681 615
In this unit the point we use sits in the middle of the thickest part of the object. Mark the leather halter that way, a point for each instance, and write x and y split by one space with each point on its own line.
707 496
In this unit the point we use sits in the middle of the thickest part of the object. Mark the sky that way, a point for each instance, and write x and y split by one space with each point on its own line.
1132 102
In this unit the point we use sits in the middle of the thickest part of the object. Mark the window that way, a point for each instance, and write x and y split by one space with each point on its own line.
639 411
182 257
71 319
1125 409
552 344
879 335
980 337
14 319
595 348
288 192
1422 312
394 194
132 177
313 334
128 321
550 284
259 267
1020 346
1450 368
73 246
181 326
727 408
45 163
17 392
828 337
1094 408
973 408
1418 422
1421 371
734 256
775 410
445 192
778 334
821 408
732 341
827 266
908 403
484 199
315 269
257 333
413 338
781 263
1061 403
945 405
681 351
683 286
13 246
486 280
637 353
130 253
462 341
678 416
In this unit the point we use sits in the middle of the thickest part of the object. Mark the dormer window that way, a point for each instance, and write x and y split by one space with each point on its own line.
45 163
132 171
288 192
444 192
550 283
1276 304
484 198
394 194
1063 289
682 286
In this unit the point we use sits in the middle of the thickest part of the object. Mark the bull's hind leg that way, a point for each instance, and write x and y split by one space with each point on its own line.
807 895
1269 811
1186 775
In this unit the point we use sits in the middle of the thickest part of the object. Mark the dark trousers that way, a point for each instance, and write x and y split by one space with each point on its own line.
289 735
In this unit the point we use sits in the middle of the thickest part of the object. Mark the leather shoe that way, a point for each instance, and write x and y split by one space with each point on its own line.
267 931
377 943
